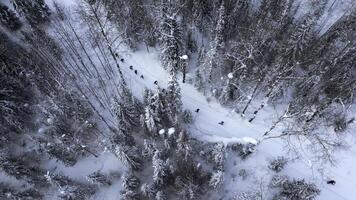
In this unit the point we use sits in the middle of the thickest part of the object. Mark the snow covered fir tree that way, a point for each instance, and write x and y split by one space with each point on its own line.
177 99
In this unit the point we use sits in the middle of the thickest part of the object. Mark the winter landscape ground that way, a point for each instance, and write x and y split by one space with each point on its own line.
178 99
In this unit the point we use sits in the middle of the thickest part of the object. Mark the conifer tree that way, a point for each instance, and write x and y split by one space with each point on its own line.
35 12
9 19
215 56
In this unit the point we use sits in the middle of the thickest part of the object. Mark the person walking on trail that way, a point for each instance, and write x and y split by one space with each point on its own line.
221 123
197 110
331 182
131 67
136 72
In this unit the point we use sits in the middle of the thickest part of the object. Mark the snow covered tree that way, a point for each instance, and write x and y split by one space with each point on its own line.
160 168
217 155
170 36
135 21
152 122
99 178
130 181
229 92
24 167
198 80
149 149
35 12
187 117
183 145
187 189
130 185
215 56
304 33
127 115
160 196
9 19
148 190
128 155
174 98
298 190
216 179
157 113
7 192
68 188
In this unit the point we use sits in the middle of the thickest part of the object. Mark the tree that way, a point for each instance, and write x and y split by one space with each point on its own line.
216 179
174 97
299 190
130 181
129 156
9 19
68 188
35 12
218 155
160 196
229 92
151 121
215 56
198 82
170 36
7 192
160 170
127 114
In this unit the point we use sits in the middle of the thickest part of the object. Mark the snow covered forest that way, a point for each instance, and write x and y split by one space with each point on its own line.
177 99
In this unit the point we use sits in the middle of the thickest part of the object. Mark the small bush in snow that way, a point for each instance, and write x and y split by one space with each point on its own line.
278 164
244 150
278 180
187 117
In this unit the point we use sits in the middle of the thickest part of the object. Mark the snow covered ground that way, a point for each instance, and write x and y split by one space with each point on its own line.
235 128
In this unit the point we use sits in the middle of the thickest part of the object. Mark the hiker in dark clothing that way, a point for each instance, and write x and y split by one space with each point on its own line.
122 60
197 110
156 82
142 76
131 67
221 123
117 55
331 182
136 72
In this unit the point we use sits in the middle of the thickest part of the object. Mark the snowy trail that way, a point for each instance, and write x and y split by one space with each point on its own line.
210 114
235 128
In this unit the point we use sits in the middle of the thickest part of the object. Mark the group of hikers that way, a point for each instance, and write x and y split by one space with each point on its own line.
330 182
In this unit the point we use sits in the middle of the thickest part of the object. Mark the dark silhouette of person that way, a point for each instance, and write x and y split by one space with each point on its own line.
331 182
